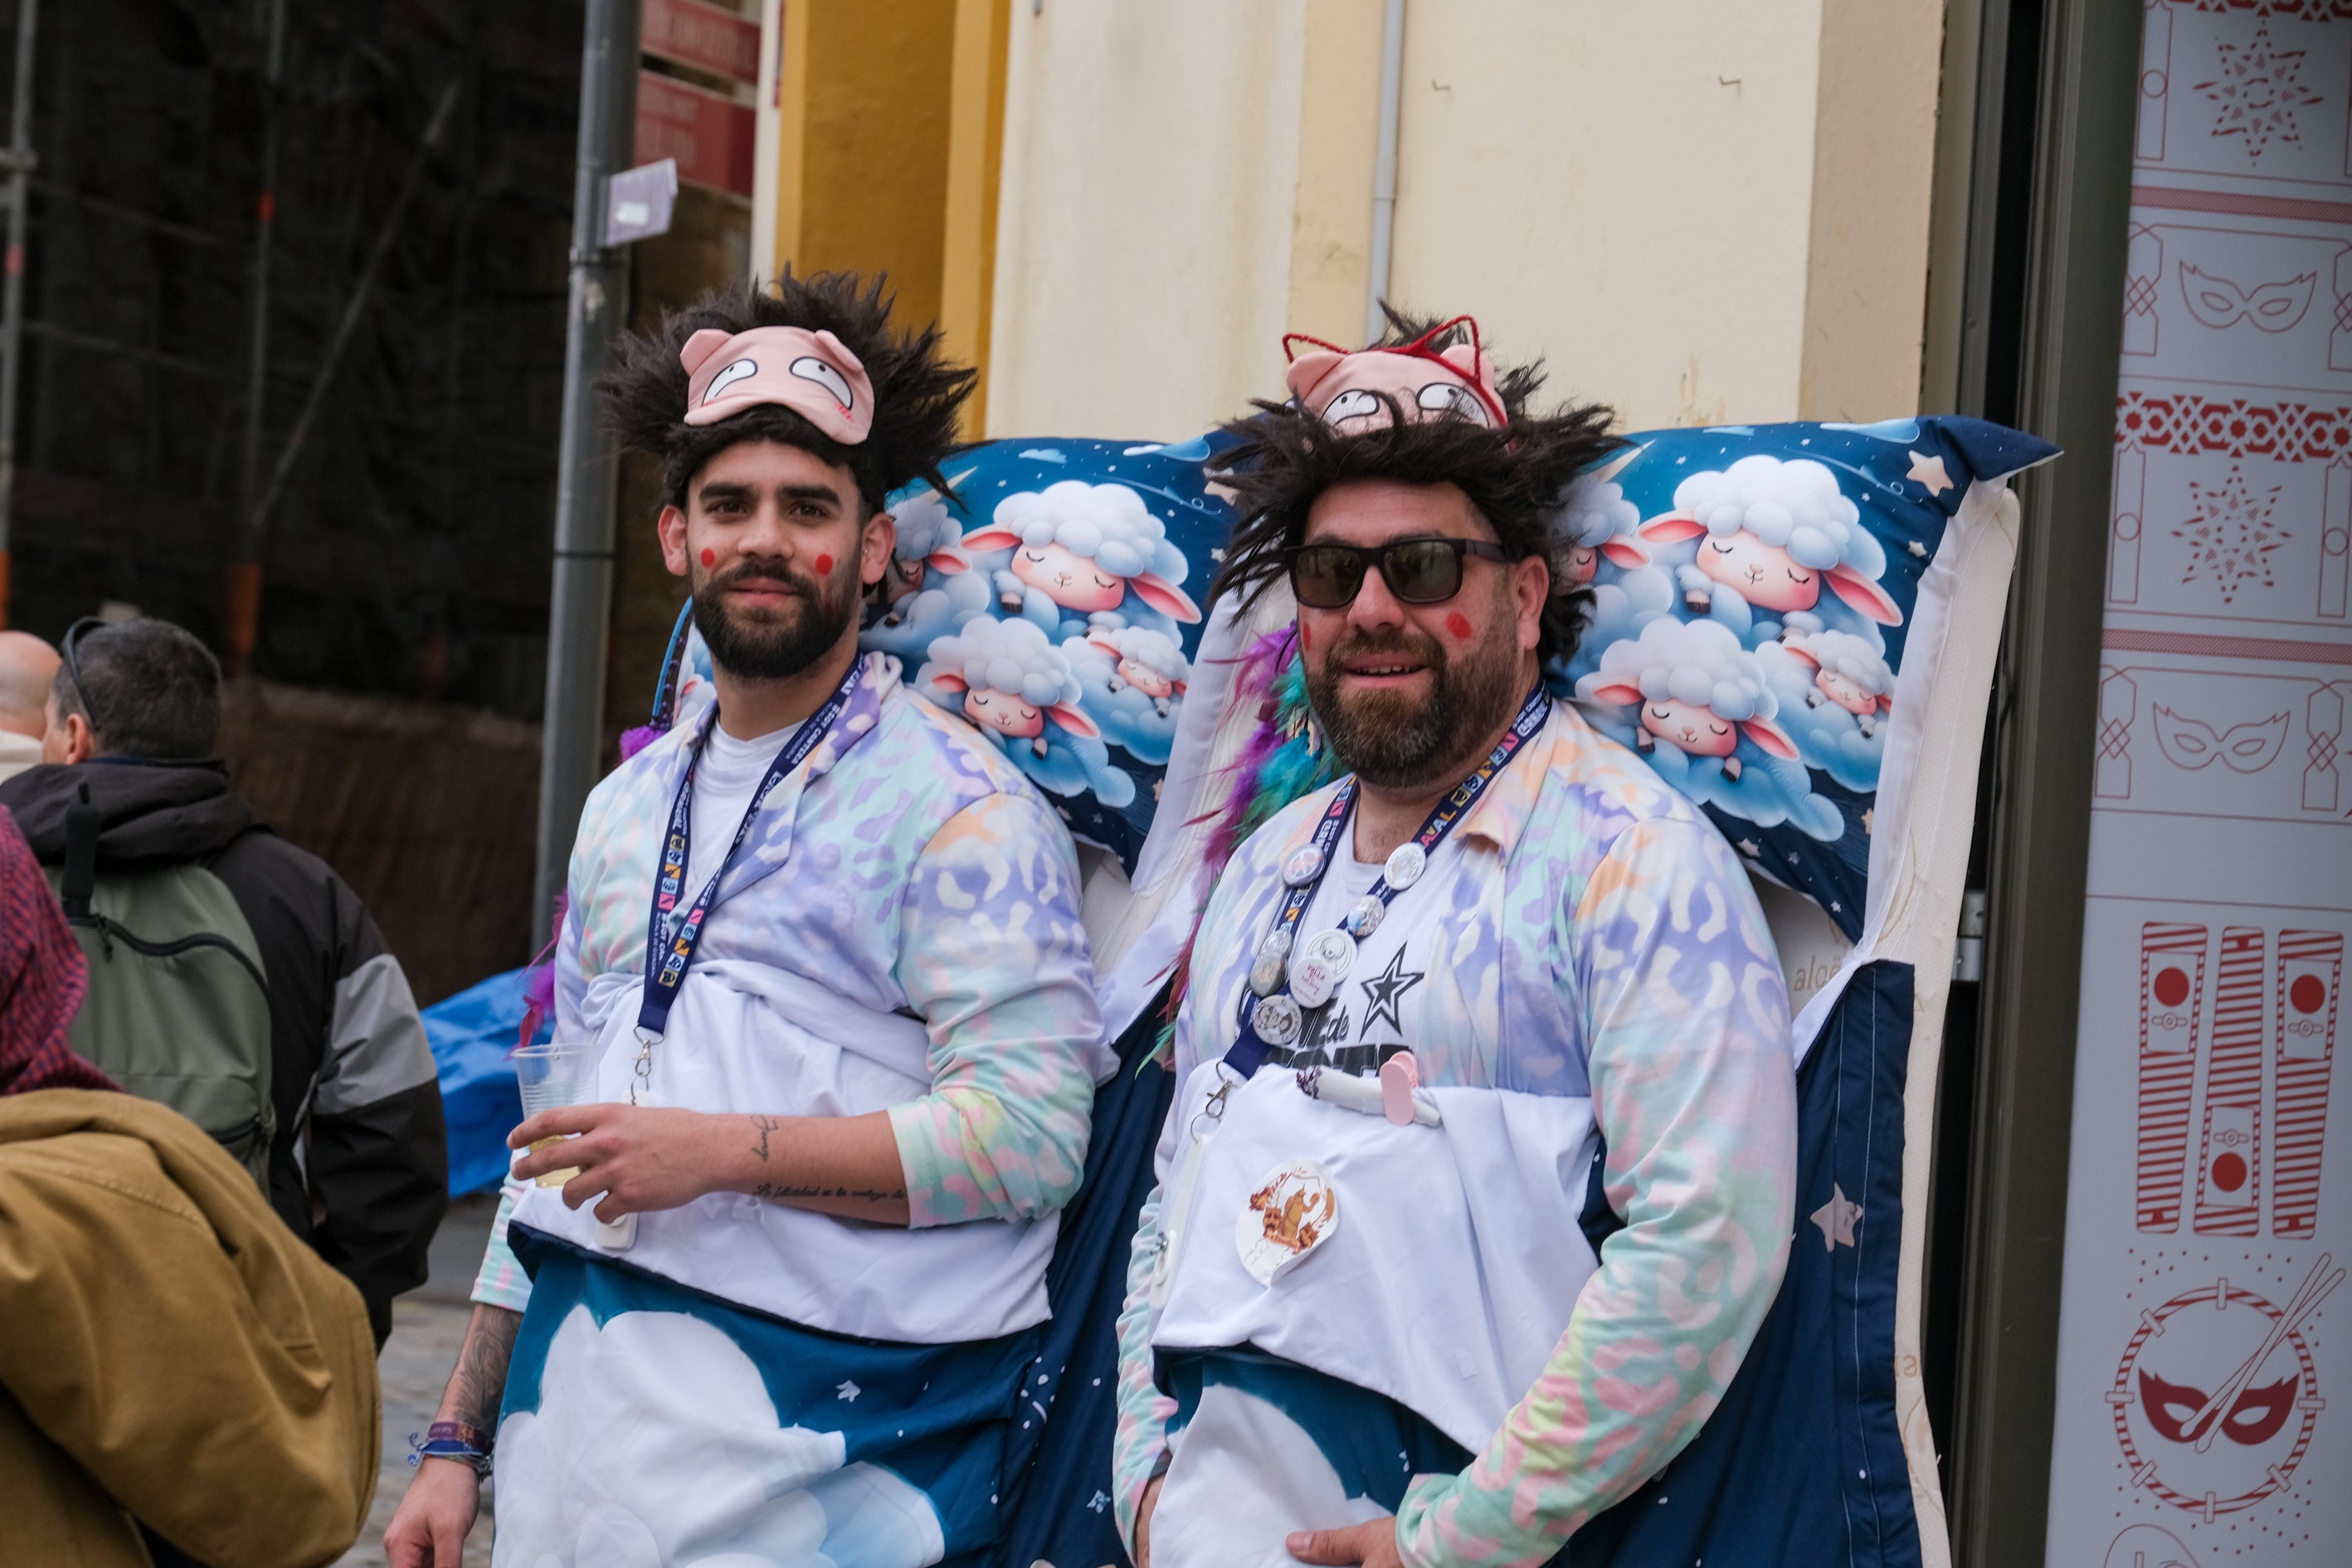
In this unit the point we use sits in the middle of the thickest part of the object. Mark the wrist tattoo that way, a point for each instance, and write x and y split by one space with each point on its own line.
478 1385
766 1125
775 1192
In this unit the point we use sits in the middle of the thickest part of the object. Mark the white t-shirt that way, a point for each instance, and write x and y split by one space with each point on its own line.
725 779
1365 1020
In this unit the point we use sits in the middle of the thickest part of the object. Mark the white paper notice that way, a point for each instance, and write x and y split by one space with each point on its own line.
2205 1345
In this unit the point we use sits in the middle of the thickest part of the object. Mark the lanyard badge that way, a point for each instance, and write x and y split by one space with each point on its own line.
1290 978
672 938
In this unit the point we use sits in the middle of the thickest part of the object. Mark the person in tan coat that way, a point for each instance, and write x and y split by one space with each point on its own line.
181 1379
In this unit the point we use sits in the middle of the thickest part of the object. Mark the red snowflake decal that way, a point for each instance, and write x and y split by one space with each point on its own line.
2230 535
2258 93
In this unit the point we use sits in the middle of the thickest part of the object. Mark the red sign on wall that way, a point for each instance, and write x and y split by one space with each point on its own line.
708 38
711 137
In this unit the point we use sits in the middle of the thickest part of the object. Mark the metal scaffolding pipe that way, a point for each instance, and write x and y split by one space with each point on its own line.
265 224
579 607
19 161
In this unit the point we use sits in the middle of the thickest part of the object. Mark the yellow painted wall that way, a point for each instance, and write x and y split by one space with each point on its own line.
862 142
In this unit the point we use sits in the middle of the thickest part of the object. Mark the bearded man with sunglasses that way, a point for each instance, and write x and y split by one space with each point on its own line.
1480 1176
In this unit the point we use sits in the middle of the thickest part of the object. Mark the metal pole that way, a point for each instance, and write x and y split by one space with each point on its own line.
265 224
1385 165
11 291
587 471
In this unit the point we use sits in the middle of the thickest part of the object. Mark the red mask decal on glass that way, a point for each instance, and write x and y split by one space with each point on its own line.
2255 1416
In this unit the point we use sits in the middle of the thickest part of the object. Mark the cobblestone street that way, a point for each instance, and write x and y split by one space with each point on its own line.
428 1324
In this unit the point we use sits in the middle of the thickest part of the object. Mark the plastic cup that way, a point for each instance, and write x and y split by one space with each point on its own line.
560 1073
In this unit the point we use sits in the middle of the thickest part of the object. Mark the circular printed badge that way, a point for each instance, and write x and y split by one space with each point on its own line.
1304 864
1293 1210
1335 950
1277 1020
1266 973
1276 942
1406 862
1312 982
1366 917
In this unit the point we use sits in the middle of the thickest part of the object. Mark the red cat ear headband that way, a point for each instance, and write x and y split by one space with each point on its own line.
1348 390
814 375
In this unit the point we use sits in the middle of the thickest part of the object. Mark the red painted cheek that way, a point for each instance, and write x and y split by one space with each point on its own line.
710 556
1459 625
1305 637
825 566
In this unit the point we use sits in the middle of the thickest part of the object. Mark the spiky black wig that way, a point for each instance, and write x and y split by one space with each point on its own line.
1514 475
917 394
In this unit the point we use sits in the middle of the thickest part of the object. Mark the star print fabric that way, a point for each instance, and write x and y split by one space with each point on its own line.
1596 939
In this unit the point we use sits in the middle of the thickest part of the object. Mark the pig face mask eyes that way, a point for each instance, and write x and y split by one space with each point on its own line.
1445 397
742 370
1355 405
808 368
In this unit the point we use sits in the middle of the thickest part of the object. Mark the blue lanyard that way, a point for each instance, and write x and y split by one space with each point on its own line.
1276 1012
668 952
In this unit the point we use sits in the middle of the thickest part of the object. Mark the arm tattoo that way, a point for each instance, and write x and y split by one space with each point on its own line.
478 1385
766 1125
776 1192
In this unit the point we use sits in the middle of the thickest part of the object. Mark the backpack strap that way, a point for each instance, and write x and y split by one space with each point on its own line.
82 823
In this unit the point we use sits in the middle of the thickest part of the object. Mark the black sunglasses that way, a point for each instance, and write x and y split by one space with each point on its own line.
74 634
1427 571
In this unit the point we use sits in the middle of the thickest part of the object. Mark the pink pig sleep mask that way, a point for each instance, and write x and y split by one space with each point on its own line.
811 373
1428 383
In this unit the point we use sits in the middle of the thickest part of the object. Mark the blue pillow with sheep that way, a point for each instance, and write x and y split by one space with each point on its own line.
1753 589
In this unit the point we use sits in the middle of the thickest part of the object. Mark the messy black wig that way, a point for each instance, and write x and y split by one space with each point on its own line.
917 394
1516 476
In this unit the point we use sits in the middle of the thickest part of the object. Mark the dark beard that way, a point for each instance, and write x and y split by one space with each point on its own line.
776 646
1393 741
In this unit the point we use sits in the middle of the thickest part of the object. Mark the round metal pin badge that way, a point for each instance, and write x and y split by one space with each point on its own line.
1277 1020
1366 917
1266 973
1312 982
1302 866
1406 862
1335 951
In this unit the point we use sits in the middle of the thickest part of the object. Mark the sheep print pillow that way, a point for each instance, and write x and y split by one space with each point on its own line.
1752 590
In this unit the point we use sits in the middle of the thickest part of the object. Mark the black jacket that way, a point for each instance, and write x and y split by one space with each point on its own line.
359 1167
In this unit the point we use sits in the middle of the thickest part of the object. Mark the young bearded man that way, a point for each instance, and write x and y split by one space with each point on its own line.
829 946
1495 993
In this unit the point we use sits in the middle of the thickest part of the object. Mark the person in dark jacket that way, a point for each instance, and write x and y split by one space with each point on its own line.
359 1166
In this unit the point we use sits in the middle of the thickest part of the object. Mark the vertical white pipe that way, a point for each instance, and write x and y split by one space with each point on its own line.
1384 166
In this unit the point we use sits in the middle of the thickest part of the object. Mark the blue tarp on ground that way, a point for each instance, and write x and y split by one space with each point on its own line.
471 1034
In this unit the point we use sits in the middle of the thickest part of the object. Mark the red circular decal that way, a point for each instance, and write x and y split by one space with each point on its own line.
2171 987
2230 1173
2307 994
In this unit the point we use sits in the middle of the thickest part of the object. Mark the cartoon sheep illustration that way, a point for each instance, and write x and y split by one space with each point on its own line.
1704 715
1079 548
912 626
1770 534
928 538
1132 679
1006 679
1151 662
1848 673
1595 522
1833 690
